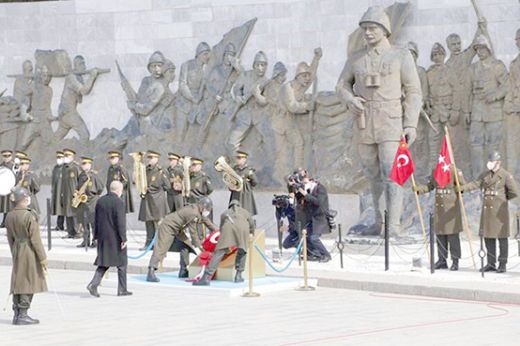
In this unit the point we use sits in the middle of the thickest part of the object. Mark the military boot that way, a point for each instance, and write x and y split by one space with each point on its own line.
150 277
238 277
455 265
441 264
183 273
24 319
93 244
501 267
93 290
204 280
16 313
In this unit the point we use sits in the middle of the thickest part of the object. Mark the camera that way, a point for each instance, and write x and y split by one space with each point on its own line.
280 201
295 182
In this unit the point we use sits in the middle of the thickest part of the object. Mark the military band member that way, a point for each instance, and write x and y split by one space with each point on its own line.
29 258
199 181
175 175
498 187
27 179
88 179
5 204
236 224
181 225
447 219
116 171
69 186
153 204
56 184
248 174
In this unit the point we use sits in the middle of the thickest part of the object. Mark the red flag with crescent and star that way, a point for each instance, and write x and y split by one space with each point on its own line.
403 166
442 172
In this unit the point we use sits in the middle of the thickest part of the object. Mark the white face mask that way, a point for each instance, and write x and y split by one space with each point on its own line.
291 200
205 213
59 161
29 201
67 159
16 160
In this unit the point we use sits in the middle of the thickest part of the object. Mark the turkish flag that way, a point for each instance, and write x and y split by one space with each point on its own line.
442 172
403 166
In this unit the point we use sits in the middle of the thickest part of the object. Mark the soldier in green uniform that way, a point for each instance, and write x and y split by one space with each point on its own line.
89 179
199 181
56 183
248 174
5 204
175 174
116 171
447 219
69 186
498 187
29 258
178 225
153 204
28 180
236 224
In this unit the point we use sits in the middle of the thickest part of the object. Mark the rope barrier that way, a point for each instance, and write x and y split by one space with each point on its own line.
269 263
148 248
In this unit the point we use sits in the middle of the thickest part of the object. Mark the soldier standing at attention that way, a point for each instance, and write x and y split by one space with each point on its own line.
245 197
153 204
5 203
199 181
498 187
89 179
28 180
69 186
116 171
175 175
29 258
56 184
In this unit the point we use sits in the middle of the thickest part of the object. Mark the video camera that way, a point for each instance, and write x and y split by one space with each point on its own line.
295 182
281 201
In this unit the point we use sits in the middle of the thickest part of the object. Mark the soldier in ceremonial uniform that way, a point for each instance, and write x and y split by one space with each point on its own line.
5 203
89 179
116 171
29 258
69 186
248 174
236 225
28 180
56 184
447 219
381 87
181 225
498 187
199 181
153 204
175 175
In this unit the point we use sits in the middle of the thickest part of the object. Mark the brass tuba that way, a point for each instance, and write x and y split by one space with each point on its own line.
80 196
186 185
140 172
231 178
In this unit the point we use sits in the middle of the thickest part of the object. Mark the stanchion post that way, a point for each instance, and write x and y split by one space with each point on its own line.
49 233
299 228
387 242
250 292
432 245
341 246
305 286
482 255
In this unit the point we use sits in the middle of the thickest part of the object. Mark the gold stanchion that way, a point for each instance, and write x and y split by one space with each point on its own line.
305 286
250 292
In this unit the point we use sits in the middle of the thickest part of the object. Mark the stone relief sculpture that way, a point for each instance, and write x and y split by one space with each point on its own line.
512 112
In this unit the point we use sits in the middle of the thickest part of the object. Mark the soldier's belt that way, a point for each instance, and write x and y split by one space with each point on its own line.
490 193
443 191
383 104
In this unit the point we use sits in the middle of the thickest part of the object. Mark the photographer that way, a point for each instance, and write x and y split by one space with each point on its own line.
312 207
284 206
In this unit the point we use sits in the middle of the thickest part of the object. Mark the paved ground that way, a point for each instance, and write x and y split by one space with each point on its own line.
155 315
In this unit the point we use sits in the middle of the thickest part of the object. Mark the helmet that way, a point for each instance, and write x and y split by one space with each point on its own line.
202 47
20 193
482 41
157 57
412 47
494 156
205 203
278 69
437 48
302 67
230 48
260 57
377 14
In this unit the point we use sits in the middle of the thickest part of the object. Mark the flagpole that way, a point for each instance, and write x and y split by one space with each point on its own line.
421 219
461 200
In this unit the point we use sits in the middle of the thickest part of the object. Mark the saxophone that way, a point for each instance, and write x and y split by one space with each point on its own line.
80 196
231 178
140 172
186 185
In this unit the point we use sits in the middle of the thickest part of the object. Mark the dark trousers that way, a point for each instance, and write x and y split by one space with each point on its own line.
314 245
22 301
491 248
184 256
291 240
218 255
85 218
121 277
451 242
60 221
71 227
150 230
3 220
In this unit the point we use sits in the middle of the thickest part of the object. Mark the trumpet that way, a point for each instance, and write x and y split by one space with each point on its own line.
140 173
231 178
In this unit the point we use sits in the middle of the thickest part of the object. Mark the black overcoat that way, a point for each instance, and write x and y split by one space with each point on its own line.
110 231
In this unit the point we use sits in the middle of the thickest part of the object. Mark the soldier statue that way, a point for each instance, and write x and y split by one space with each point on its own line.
380 86
512 112
23 93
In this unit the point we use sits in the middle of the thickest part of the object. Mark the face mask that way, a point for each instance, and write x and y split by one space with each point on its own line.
291 200
205 213
29 200
59 162
17 161
67 159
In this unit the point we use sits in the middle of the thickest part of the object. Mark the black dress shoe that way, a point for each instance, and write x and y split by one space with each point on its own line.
454 266
325 259
501 268
151 277
441 265
204 281
125 293
93 244
488 268
183 273
93 290
238 277
81 245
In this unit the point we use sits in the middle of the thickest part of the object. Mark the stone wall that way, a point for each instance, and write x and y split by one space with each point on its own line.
287 30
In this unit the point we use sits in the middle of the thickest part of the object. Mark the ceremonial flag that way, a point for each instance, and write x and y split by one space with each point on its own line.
442 172
403 166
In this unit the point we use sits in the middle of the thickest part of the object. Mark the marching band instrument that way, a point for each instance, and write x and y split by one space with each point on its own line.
80 196
7 181
186 184
19 184
231 178
140 172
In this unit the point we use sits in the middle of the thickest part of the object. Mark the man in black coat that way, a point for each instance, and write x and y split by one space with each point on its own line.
110 233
